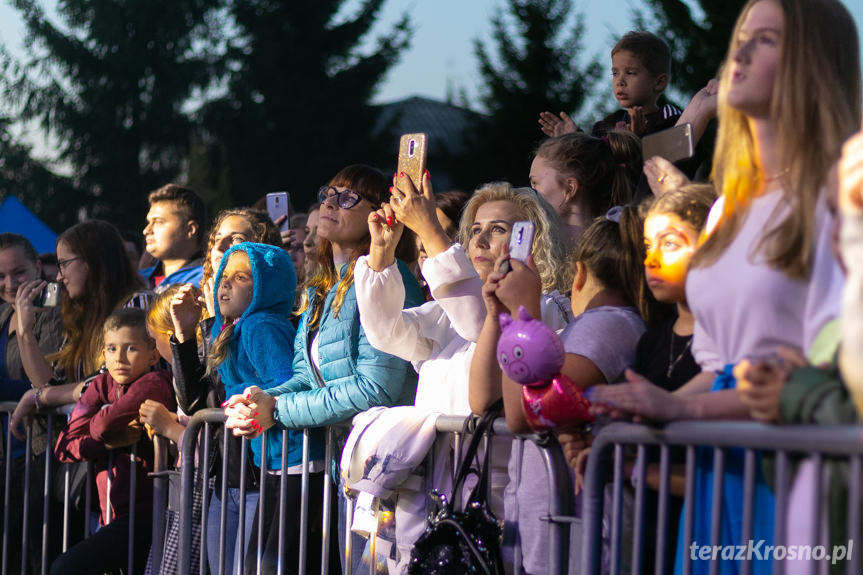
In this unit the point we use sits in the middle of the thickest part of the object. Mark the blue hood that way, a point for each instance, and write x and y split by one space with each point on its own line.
275 283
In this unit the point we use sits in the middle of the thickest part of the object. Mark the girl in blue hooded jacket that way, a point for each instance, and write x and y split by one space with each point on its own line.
252 334
337 373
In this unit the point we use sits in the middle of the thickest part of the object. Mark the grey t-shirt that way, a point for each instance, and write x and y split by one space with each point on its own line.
607 336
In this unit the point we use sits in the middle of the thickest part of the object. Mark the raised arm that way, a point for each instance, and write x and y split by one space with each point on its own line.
456 287
36 367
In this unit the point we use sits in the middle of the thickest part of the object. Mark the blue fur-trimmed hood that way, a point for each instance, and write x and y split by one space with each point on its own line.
275 283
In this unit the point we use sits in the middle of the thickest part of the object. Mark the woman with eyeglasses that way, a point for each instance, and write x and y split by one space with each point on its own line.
96 278
337 373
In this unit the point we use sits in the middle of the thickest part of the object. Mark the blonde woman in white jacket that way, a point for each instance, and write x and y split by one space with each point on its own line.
439 337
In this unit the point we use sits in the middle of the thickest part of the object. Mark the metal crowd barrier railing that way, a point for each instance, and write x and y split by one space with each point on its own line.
43 488
197 444
821 443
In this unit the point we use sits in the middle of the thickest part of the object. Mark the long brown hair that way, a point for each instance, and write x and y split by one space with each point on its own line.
815 107
110 282
612 250
264 231
371 184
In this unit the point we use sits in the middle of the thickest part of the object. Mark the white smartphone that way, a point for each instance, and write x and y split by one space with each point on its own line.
520 243
277 206
673 144
49 296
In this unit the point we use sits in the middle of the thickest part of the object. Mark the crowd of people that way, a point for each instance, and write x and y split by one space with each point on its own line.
380 308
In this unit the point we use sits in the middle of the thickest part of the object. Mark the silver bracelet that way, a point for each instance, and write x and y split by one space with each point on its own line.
36 395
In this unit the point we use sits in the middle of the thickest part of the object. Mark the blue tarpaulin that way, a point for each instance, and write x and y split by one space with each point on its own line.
16 218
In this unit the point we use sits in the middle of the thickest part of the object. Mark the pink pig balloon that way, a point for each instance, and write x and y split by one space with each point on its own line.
532 354
529 351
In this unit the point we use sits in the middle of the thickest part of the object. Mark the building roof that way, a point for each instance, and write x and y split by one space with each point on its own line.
444 123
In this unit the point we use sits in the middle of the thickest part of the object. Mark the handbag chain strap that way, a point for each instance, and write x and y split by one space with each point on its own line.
482 429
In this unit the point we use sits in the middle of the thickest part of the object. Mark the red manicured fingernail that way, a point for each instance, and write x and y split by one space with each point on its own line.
401 174
389 221
225 403
391 189
249 395
427 174
375 217
255 414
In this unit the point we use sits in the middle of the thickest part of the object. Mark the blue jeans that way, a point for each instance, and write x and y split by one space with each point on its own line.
232 528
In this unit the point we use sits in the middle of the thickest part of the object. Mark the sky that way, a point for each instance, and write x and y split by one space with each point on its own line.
441 60
441 56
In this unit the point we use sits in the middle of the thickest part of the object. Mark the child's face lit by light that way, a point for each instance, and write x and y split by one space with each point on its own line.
236 286
669 244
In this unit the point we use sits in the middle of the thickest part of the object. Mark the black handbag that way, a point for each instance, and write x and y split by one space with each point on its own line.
467 541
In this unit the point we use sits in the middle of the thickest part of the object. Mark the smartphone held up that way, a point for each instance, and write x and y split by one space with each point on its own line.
49 296
674 144
520 244
413 152
277 206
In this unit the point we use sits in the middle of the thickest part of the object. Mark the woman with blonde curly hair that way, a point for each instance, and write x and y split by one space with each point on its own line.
440 334
439 337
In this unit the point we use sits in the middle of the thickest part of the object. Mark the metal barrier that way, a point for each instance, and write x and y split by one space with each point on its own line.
821 442
201 426
41 491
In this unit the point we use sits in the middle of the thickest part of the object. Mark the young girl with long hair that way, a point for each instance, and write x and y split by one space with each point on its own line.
196 389
765 276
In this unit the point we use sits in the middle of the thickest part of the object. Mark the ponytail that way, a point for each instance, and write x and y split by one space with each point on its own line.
625 149
612 250
597 164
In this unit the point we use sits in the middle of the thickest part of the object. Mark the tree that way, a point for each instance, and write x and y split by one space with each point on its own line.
110 82
297 107
537 48
45 193
698 43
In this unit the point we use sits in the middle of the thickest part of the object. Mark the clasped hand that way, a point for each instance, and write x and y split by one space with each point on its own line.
251 413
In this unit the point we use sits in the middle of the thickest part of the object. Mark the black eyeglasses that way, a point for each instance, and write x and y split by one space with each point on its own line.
345 200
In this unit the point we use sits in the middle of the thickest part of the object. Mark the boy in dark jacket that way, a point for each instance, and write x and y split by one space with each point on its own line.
104 421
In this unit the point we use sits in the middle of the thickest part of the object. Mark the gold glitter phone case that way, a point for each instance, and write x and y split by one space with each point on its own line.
412 156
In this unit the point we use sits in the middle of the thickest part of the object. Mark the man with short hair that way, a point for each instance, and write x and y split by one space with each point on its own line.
174 235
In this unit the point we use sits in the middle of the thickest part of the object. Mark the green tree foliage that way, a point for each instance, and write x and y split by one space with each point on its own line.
39 188
535 68
109 81
698 34
296 109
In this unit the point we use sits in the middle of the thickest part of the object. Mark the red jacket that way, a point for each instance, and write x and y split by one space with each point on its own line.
90 426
